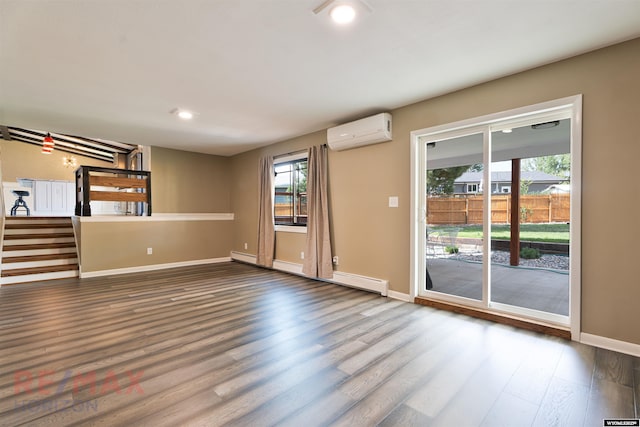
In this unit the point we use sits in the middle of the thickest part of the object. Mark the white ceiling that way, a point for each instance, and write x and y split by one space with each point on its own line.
262 71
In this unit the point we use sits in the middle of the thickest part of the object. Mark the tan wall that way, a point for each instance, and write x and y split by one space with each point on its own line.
289 246
185 182
22 160
244 192
116 245
373 240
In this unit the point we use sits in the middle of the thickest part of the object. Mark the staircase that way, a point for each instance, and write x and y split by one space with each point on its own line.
38 248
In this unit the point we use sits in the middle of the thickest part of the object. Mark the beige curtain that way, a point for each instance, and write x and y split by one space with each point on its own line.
317 260
266 232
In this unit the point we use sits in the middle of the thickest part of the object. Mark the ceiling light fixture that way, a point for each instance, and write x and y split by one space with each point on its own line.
183 114
186 115
507 130
343 12
69 162
47 144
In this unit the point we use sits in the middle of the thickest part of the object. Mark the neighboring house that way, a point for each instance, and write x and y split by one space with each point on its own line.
472 182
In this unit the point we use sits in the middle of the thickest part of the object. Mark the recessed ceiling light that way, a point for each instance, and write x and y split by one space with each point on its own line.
343 14
185 115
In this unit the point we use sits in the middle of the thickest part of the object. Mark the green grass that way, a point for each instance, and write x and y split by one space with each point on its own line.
552 233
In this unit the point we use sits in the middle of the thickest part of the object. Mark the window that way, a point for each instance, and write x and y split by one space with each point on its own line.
472 188
505 189
290 201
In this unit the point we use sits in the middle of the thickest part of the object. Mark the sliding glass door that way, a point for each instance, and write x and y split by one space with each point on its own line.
496 219
454 206
530 205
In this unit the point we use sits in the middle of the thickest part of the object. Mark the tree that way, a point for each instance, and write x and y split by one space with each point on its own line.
558 165
440 181
524 185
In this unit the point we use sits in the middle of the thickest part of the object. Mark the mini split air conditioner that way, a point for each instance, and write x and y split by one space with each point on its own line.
369 130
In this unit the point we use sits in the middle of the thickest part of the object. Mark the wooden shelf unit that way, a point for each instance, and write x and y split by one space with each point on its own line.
115 179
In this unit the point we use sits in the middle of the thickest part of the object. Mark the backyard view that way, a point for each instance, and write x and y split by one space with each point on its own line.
529 202
455 210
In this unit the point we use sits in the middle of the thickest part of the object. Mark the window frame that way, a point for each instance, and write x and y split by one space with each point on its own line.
290 158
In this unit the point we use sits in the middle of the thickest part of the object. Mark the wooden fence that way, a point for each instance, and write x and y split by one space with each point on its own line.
284 211
534 208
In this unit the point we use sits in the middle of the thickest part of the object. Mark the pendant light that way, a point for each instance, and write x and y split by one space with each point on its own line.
47 144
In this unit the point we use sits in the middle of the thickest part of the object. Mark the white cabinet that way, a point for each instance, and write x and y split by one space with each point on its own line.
42 193
53 197
59 196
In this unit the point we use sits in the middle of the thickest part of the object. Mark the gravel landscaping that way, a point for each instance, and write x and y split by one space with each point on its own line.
551 262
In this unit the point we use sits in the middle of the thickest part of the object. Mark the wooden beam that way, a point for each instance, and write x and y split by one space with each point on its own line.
4 131
514 247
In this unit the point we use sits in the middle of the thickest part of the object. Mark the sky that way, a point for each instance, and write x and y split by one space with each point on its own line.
501 166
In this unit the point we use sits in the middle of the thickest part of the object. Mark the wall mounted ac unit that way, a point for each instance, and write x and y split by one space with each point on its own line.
369 130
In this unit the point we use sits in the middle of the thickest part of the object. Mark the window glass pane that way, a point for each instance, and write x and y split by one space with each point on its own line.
290 201
454 235
530 233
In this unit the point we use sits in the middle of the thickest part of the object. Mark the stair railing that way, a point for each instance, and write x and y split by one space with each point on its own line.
119 182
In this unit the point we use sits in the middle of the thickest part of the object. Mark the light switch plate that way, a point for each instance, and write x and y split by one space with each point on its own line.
393 201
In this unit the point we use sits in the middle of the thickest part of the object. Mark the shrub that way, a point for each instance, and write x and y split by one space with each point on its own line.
529 253
451 249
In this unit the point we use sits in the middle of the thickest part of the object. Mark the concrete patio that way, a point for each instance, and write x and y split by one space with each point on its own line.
537 289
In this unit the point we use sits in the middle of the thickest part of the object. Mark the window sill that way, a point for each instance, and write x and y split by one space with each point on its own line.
291 229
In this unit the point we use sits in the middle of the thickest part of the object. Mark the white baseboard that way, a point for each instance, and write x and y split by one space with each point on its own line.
240 256
339 277
362 282
610 344
152 267
400 296
289 267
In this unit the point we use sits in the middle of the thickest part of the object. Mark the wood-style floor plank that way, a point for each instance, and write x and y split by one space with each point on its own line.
236 345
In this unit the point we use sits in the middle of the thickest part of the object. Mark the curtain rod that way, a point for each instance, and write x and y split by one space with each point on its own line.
289 154
293 152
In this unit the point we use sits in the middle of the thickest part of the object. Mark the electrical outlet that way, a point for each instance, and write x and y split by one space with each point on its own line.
301 255
149 251
336 260
246 246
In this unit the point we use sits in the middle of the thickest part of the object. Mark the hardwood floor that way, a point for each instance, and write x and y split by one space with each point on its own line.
232 344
